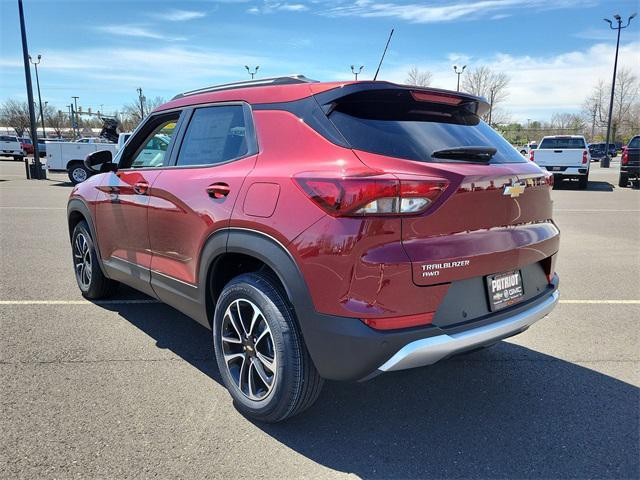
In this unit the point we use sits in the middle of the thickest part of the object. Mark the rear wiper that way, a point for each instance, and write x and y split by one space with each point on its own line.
478 154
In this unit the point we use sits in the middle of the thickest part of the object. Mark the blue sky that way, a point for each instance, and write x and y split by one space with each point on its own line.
101 51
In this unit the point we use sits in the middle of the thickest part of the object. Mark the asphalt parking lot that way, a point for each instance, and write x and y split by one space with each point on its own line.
129 388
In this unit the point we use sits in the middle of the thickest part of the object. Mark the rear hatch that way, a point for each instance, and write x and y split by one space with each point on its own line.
494 214
631 155
561 152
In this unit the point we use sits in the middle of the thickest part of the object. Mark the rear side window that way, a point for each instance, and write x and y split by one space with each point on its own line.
559 143
635 142
5 138
393 123
215 135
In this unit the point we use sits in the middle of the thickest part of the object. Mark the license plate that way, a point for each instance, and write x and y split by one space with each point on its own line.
556 169
504 289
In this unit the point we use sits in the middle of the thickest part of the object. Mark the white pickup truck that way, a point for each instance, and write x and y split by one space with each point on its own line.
566 156
69 156
10 146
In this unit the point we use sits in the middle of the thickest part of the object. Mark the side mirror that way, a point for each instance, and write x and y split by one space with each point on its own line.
100 161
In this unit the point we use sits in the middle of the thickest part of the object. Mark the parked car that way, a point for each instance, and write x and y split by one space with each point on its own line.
42 147
566 156
598 150
630 162
373 227
525 149
27 145
10 146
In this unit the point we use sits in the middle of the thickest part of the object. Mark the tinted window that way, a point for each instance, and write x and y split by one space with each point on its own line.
214 135
154 148
556 143
635 142
392 123
5 138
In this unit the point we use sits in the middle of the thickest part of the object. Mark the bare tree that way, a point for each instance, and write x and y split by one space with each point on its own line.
595 107
484 82
57 120
626 95
418 78
15 114
130 117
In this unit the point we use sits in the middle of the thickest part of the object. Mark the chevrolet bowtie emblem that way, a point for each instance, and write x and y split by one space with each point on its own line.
514 190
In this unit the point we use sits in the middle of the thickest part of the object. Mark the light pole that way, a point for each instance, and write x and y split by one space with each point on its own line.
458 72
35 64
604 163
141 99
356 71
76 124
37 173
491 95
255 70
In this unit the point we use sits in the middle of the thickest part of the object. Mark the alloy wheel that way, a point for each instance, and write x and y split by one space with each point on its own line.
79 174
82 260
248 349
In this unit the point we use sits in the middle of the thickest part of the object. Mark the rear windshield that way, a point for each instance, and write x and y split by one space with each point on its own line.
6 138
555 143
392 123
635 142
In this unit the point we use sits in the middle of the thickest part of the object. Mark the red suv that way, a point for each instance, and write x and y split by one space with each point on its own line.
321 230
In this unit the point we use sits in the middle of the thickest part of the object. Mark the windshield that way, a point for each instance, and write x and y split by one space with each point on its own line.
559 143
6 138
393 123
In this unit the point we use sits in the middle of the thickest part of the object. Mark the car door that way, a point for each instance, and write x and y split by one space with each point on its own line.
195 197
123 198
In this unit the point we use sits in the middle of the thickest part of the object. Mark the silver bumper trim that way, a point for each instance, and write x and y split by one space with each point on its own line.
429 350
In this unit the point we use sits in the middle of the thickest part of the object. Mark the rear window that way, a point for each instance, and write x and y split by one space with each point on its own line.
393 123
559 143
6 138
635 142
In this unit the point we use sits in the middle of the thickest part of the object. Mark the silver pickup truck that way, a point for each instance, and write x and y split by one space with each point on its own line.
566 156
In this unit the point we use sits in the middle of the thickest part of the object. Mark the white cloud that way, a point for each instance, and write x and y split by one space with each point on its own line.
540 85
131 30
270 6
439 12
176 15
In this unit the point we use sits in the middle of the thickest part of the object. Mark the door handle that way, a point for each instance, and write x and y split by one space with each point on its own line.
141 187
218 190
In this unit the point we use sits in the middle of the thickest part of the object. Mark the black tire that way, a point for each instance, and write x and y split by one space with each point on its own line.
94 285
583 182
623 180
295 382
78 173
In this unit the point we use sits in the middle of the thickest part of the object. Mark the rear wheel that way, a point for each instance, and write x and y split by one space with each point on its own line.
78 173
583 182
260 352
623 180
92 282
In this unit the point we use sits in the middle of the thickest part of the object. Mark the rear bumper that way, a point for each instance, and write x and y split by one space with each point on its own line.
569 171
346 349
429 350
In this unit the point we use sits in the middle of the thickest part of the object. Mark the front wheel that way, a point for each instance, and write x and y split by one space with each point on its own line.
623 180
260 352
18 158
78 173
92 282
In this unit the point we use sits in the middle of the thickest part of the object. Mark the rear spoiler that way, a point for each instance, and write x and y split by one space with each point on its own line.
477 105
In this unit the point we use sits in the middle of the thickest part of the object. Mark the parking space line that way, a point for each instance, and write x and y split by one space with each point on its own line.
79 302
32 208
152 301
590 210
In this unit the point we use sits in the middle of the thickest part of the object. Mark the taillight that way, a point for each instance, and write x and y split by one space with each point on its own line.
625 157
375 195
585 156
531 155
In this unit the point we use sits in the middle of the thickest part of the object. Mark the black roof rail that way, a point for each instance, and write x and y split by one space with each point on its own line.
260 82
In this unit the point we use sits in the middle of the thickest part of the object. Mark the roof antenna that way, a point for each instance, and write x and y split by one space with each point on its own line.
383 54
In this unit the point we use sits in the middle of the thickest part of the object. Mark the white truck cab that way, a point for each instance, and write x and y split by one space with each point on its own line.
566 156
10 146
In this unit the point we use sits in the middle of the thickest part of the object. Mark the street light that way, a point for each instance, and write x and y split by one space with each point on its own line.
35 64
606 160
458 72
356 73
255 70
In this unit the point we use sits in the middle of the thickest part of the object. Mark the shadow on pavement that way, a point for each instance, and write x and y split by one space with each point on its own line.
593 186
505 412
